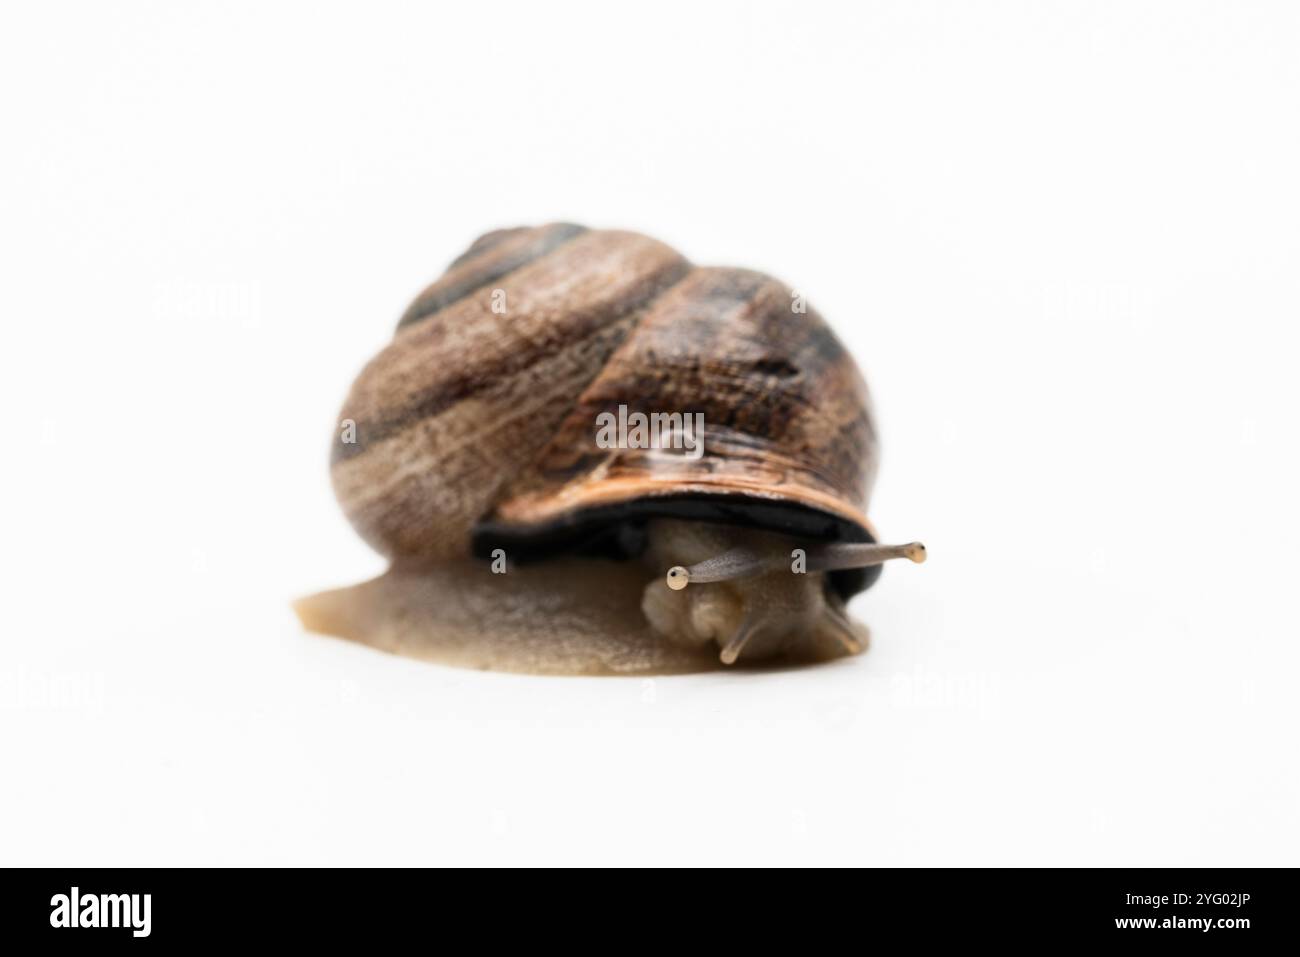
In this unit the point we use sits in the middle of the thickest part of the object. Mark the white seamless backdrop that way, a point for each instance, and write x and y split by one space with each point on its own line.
1061 239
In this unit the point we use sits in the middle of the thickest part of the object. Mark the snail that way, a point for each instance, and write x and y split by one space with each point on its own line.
470 454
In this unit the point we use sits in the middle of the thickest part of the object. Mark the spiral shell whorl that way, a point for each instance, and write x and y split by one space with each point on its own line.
475 417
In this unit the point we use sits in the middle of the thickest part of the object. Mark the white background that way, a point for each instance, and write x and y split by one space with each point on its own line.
1062 240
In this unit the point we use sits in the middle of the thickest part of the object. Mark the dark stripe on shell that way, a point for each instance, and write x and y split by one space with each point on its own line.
448 384
491 258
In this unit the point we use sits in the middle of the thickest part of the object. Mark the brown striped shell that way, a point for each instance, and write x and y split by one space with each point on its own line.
475 427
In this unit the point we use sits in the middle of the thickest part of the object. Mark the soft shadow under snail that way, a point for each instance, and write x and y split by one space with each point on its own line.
468 454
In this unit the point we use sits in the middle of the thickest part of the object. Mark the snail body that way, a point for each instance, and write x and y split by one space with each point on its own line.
470 446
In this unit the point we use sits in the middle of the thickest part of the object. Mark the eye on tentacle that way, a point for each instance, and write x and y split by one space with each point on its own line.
751 600
747 563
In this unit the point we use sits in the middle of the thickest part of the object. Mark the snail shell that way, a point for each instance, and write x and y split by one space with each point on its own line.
473 432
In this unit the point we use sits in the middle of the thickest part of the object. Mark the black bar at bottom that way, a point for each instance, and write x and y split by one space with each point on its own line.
139 908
